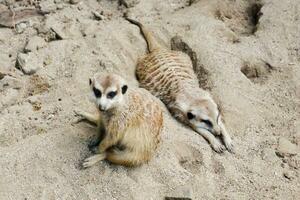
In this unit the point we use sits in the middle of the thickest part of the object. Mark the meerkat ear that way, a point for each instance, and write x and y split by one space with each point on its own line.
90 81
124 89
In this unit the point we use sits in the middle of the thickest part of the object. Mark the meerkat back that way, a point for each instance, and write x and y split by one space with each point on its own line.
161 70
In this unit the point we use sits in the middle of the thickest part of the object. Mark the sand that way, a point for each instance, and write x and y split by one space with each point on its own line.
246 53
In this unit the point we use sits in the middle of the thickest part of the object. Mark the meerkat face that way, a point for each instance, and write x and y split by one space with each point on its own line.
204 114
108 90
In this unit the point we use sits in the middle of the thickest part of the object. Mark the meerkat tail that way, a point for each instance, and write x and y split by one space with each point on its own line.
90 161
151 41
125 157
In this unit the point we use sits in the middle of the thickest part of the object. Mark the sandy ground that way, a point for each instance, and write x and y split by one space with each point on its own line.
246 53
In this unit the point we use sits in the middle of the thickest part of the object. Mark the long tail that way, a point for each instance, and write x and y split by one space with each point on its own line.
151 41
125 157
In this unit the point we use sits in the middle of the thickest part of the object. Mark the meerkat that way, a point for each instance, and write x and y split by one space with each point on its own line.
132 120
169 75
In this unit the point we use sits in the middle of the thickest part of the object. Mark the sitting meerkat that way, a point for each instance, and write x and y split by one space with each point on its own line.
132 120
169 75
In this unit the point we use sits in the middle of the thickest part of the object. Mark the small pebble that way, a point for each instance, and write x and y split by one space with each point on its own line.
97 15
289 175
286 148
74 1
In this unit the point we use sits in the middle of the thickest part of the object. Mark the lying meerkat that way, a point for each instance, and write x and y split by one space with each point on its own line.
132 119
169 75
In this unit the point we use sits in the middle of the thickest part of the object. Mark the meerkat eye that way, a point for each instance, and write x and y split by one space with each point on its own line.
97 92
190 115
207 122
124 89
111 95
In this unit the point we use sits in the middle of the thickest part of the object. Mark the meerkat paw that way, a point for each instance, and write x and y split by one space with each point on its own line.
218 147
90 161
80 113
228 144
218 134
80 116
93 118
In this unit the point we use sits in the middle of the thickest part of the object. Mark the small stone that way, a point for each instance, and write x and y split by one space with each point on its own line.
5 62
286 148
293 162
269 155
41 28
97 15
28 63
35 43
10 82
80 7
21 27
272 125
59 33
289 175
9 96
74 1
129 3
47 61
284 165
60 6
51 36
50 116
33 99
47 6
180 193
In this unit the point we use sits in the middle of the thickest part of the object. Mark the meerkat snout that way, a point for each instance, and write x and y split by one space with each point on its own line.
107 90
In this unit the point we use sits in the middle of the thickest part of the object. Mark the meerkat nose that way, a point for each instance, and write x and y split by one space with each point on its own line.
101 108
218 132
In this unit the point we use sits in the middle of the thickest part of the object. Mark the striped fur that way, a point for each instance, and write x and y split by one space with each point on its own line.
169 75
166 73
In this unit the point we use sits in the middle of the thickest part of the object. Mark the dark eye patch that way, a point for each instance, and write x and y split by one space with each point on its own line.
97 92
207 122
190 115
111 95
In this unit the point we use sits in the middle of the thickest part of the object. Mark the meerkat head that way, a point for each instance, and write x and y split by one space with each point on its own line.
108 90
203 114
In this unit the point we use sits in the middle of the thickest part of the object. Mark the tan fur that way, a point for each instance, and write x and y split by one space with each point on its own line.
132 127
169 75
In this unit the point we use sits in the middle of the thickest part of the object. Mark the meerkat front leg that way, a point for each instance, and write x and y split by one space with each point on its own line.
107 142
94 144
226 138
94 118
215 144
